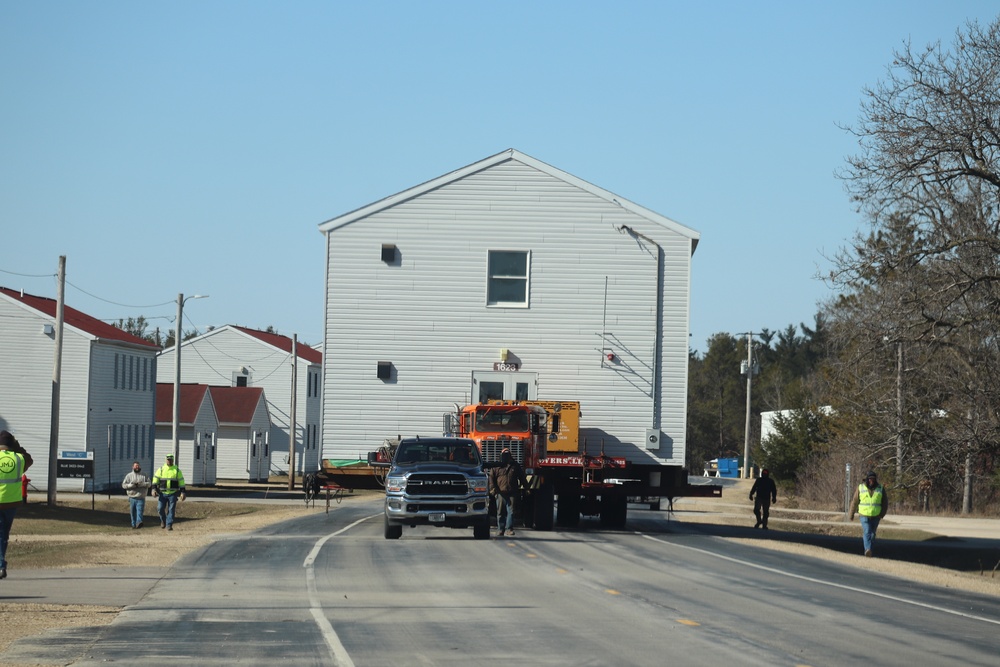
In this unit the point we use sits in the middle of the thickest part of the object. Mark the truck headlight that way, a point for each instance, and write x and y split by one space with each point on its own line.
395 484
477 484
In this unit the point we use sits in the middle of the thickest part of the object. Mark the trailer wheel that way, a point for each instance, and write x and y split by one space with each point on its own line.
481 531
543 502
614 510
568 509
394 531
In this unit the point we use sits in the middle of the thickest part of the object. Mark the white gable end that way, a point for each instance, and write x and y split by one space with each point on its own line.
606 276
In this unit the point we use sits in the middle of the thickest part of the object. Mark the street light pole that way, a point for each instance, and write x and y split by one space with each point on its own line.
746 433
177 373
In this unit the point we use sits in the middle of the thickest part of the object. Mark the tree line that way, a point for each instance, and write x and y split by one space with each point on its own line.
907 355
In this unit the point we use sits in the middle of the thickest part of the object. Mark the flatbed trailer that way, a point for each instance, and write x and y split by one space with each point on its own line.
565 481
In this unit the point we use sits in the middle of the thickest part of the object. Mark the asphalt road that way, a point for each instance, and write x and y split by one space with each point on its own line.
327 589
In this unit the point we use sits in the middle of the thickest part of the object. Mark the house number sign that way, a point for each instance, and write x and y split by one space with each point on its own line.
506 366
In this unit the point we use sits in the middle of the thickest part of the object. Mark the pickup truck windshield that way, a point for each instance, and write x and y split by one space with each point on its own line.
415 452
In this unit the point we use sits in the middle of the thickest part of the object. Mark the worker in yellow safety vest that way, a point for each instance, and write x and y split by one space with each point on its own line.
14 461
168 485
871 502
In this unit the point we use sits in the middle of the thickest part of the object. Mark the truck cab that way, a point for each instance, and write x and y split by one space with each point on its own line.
435 482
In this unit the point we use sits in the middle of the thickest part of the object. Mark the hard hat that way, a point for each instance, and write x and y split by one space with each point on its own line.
871 475
170 457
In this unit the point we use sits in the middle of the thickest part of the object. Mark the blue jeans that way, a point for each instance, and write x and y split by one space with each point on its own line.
136 506
505 509
165 506
869 524
6 521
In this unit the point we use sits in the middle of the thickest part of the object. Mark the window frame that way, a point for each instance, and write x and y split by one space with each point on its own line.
491 276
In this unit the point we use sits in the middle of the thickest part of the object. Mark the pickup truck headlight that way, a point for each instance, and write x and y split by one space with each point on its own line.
477 484
395 484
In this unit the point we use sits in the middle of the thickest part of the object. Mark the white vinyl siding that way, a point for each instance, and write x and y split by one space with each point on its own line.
216 357
593 286
239 457
89 403
507 278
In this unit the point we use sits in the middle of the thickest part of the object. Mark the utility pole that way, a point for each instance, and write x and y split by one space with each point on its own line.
178 337
175 421
746 432
56 383
291 420
899 412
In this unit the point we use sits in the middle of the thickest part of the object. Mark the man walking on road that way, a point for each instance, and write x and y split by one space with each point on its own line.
767 492
168 484
14 461
871 502
505 481
136 485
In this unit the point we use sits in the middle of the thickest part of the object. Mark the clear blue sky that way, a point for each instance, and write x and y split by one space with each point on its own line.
195 147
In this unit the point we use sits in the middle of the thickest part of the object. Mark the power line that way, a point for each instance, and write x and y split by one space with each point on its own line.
29 275
115 303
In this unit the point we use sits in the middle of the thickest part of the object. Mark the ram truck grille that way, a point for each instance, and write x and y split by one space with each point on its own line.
436 485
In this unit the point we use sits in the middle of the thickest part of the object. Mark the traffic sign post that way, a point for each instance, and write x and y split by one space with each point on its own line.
77 465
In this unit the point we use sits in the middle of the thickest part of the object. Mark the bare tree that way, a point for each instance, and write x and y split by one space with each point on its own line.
926 276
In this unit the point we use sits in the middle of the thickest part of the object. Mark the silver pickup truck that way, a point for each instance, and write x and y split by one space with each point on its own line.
436 482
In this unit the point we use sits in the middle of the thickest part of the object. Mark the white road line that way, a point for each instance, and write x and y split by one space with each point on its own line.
337 650
865 591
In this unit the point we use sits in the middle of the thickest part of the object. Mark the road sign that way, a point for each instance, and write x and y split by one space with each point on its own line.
75 464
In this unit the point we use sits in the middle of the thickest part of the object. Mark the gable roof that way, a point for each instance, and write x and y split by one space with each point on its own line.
192 396
500 158
302 350
90 326
236 405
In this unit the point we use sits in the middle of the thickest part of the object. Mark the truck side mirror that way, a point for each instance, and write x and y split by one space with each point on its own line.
448 423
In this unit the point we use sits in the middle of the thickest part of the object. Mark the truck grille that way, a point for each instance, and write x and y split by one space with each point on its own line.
493 446
436 484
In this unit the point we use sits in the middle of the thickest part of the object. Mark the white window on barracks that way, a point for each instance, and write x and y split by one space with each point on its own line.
507 280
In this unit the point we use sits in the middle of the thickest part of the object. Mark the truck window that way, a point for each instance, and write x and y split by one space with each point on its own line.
496 421
410 454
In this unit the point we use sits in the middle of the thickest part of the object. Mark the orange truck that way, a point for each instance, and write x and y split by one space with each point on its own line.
543 436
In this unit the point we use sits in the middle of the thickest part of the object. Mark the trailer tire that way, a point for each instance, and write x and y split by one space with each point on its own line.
481 531
395 531
614 510
568 509
543 498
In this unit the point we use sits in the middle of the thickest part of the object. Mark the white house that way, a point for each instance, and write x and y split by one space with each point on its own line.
198 426
107 390
768 419
243 439
241 357
507 278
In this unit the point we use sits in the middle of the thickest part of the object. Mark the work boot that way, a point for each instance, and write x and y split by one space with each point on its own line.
868 553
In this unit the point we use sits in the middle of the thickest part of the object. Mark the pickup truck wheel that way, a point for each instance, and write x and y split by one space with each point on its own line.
394 532
481 531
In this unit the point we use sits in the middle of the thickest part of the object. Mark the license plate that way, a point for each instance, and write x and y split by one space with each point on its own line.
436 517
